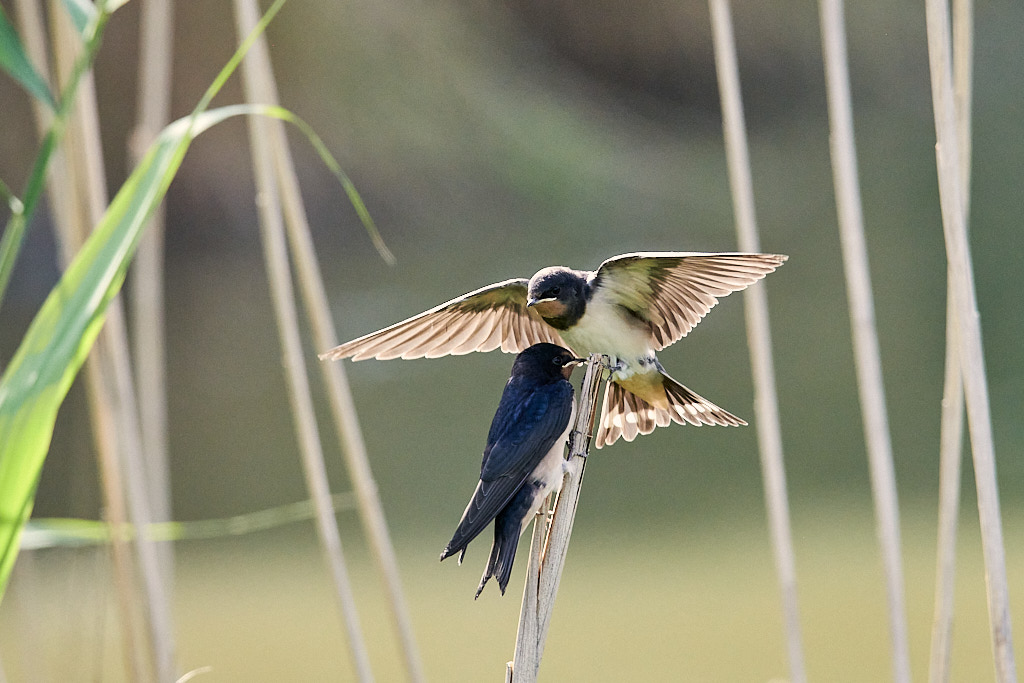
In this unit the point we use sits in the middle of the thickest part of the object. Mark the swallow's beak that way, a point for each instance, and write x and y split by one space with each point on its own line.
570 365
533 302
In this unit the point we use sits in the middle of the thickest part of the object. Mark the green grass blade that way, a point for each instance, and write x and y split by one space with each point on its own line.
15 62
90 21
38 377
332 165
53 533
82 14
34 384
56 344
21 209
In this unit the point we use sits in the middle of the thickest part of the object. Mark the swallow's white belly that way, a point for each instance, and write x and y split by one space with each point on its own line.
609 329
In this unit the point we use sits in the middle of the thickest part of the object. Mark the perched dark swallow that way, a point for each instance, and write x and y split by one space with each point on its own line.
523 460
632 306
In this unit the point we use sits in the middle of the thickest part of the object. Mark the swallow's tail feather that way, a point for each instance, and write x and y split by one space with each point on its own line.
489 569
626 415
503 553
449 551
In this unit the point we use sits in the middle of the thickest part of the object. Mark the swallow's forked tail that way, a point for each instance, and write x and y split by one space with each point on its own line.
499 564
626 415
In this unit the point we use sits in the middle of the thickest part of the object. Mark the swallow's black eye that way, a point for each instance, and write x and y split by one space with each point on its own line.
554 291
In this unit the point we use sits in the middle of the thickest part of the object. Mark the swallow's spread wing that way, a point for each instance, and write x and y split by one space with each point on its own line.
672 291
522 433
482 320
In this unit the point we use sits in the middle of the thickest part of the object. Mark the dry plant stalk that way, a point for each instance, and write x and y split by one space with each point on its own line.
147 292
550 543
256 80
77 192
300 398
314 297
970 351
952 416
862 321
755 301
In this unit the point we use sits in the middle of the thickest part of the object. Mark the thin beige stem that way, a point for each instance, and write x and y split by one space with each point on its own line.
769 432
862 320
87 173
77 193
951 434
547 558
147 290
968 334
28 606
314 296
528 631
963 90
275 248
950 455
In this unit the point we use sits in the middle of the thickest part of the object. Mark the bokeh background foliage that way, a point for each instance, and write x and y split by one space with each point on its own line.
489 140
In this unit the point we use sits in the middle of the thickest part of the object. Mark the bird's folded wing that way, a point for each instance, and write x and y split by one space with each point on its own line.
673 291
488 500
486 319
512 457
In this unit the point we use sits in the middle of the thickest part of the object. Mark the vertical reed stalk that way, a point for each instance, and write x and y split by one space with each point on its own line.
147 291
755 300
968 333
862 319
71 219
116 393
34 665
275 248
547 557
314 296
951 434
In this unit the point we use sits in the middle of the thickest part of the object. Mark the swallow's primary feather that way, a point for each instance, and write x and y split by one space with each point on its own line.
632 306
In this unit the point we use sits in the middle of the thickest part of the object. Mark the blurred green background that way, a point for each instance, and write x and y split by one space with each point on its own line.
488 140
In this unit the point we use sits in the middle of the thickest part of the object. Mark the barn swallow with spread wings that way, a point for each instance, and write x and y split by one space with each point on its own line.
523 460
630 308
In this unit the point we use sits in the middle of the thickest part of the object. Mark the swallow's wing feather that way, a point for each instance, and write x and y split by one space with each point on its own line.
672 291
482 320
524 430
627 415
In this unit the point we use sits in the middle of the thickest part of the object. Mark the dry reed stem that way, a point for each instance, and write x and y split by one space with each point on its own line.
968 333
346 421
548 550
952 418
68 174
118 400
755 300
950 456
862 319
272 231
146 297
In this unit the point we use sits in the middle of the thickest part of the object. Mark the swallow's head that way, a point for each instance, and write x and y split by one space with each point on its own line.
549 360
559 294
